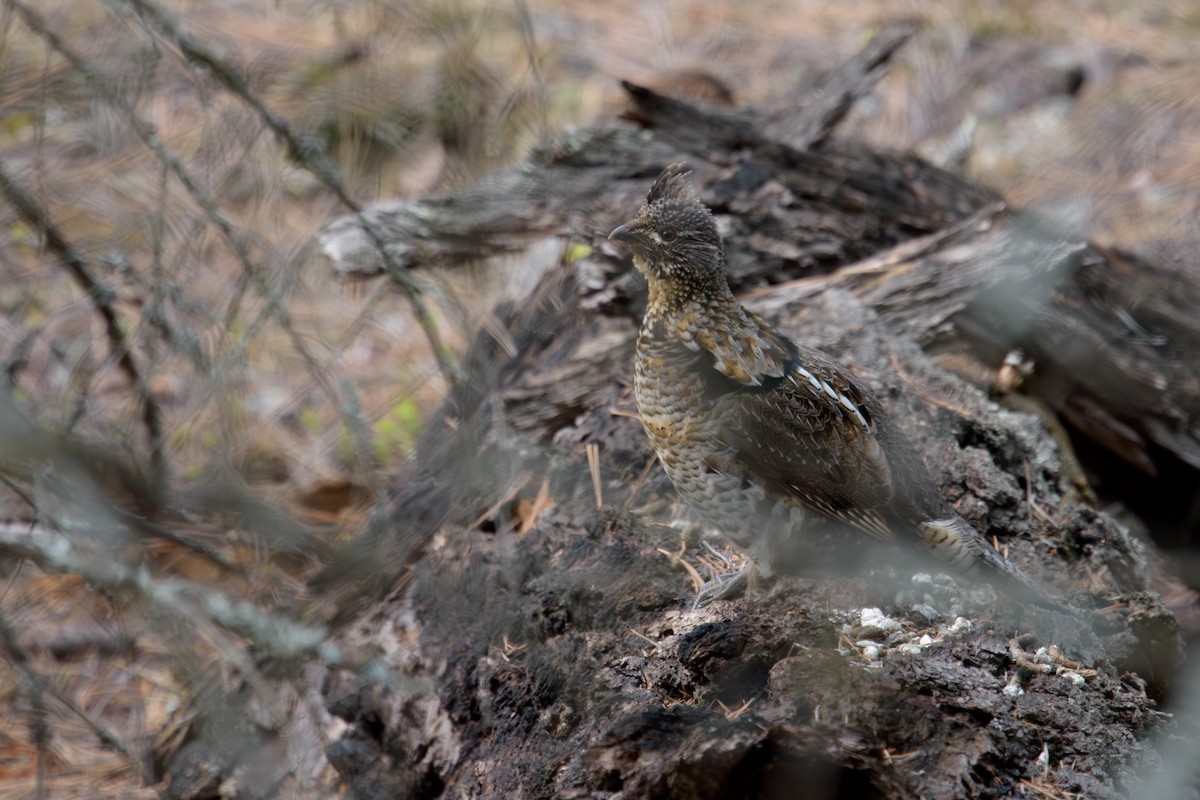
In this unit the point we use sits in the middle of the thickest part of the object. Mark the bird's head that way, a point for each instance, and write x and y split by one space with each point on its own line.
674 239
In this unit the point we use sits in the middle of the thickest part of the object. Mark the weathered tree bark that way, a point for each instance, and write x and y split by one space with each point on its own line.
793 212
549 606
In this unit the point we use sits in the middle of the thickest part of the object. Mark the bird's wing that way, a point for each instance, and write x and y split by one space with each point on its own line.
809 438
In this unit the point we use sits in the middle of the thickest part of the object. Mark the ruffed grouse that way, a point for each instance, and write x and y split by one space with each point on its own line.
765 438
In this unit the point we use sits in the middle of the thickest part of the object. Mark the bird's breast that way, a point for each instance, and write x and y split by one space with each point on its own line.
670 394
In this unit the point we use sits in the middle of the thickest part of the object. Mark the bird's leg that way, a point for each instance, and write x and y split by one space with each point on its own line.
749 581
724 559
726 586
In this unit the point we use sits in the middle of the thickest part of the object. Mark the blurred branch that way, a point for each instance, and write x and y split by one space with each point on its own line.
269 638
101 297
148 134
806 117
309 154
809 114
272 636
32 686
525 23
36 687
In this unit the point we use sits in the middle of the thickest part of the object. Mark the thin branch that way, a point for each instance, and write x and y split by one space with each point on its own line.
309 154
271 636
101 297
38 688
148 134
39 729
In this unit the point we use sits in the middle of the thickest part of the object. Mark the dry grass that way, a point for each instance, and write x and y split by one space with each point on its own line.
277 385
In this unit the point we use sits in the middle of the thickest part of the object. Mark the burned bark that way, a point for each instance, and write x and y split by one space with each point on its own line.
547 598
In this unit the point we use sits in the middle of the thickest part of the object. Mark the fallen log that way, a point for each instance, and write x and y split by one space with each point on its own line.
546 593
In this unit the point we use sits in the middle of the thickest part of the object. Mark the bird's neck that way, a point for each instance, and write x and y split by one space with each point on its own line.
739 345
706 306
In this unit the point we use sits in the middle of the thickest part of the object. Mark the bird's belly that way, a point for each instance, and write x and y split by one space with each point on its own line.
721 499
703 470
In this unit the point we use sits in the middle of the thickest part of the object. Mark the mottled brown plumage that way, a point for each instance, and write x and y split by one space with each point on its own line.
763 437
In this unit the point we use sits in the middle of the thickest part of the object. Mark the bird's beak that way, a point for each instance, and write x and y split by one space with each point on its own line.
621 233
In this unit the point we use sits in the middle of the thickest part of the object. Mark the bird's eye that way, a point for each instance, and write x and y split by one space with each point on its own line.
667 234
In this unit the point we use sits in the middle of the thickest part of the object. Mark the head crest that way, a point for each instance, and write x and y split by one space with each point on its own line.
672 184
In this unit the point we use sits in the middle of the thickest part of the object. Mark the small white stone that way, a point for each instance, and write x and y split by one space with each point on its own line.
874 618
870 616
1075 678
871 652
960 624
926 640
1013 689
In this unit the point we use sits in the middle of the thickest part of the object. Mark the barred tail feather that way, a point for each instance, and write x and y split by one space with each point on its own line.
956 542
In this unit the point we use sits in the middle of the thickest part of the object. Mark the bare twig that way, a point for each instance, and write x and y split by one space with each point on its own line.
506 498
204 608
101 297
677 559
148 134
306 152
541 501
593 459
32 686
